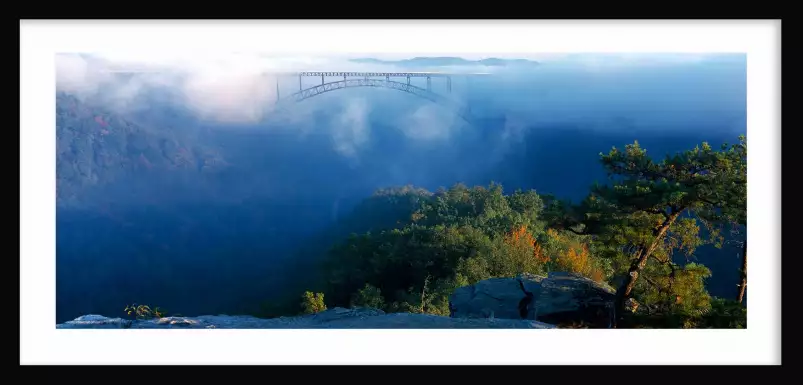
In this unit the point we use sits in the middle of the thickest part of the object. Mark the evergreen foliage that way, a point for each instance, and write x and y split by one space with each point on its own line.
638 232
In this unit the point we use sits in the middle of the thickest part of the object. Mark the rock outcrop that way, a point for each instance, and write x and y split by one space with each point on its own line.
559 299
526 301
337 318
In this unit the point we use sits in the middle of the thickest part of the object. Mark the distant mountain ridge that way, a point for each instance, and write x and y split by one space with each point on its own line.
449 61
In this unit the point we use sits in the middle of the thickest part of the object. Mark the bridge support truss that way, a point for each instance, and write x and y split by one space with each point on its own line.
374 79
370 75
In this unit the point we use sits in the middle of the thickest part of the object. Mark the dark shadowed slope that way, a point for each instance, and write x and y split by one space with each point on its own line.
103 157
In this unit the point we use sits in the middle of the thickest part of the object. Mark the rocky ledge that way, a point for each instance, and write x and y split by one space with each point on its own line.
526 301
337 318
559 299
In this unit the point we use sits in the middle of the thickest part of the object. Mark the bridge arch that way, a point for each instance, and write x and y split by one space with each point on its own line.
460 110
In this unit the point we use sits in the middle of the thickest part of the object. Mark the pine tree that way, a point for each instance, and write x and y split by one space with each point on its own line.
734 212
652 195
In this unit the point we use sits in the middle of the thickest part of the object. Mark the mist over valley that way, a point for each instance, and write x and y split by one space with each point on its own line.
183 186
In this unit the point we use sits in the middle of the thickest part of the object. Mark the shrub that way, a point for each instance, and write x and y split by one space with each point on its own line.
144 312
368 296
312 303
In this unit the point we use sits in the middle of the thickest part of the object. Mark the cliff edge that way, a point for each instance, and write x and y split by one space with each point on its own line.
526 301
337 318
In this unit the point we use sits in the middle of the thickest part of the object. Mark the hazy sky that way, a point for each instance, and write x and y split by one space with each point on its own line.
245 61
658 89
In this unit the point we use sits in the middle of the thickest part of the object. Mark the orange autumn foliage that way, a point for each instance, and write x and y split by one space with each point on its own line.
521 235
597 275
574 260
539 254
577 260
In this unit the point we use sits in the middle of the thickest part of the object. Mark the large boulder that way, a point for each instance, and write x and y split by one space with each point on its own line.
495 297
559 298
337 318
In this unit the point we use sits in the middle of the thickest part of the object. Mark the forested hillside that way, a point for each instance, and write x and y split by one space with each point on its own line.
97 149
639 233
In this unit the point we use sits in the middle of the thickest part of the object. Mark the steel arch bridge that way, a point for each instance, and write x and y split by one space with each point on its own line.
374 79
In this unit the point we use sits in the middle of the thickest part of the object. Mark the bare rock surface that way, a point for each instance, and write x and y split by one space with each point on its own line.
555 299
526 301
337 318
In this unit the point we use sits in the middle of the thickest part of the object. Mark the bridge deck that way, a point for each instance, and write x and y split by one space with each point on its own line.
384 74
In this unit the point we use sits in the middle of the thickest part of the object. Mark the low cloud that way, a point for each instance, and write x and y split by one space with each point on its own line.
429 122
350 129
240 89
220 91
